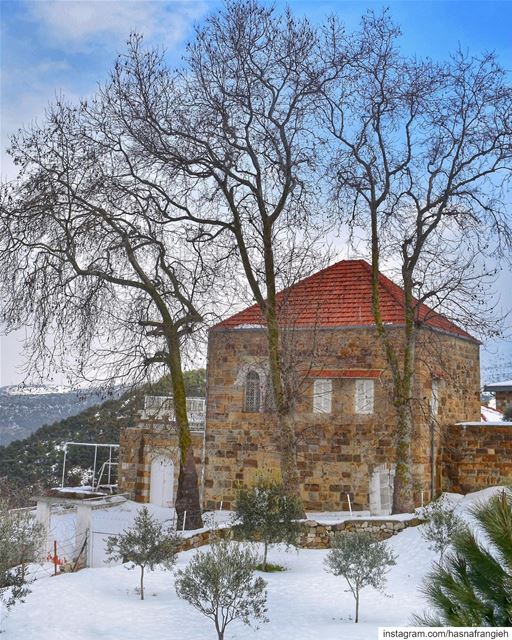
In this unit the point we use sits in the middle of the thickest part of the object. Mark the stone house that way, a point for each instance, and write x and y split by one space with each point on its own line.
502 392
341 384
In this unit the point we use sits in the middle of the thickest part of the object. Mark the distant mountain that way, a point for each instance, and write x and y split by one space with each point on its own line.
25 408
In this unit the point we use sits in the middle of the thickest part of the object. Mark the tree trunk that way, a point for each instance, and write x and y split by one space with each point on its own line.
142 583
402 376
220 631
265 551
287 442
357 607
187 495
403 500
288 454
187 498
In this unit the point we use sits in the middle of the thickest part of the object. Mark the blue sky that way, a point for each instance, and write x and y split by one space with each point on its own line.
49 47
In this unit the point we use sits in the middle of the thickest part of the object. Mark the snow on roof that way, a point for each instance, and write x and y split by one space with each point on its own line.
490 415
500 423
506 385
341 296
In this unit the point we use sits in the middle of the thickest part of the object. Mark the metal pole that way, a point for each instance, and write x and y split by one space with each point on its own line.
349 503
184 520
64 466
109 463
432 459
94 469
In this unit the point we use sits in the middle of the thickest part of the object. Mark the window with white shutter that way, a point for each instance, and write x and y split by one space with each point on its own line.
322 396
364 396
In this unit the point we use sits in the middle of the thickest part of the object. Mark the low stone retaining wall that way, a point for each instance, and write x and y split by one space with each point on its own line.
200 539
317 535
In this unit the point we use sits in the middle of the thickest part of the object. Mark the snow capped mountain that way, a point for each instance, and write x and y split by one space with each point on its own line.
25 408
34 390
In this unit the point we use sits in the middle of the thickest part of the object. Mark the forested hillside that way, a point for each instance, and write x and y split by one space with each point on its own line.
32 465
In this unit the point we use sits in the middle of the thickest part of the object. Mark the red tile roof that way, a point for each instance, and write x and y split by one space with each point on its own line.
341 296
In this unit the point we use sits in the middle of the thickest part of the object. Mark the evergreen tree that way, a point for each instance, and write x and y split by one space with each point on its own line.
361 559
267 513
220 584
146 544
473 587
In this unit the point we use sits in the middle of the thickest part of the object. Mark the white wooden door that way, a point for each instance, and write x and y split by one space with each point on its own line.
161 486
381 491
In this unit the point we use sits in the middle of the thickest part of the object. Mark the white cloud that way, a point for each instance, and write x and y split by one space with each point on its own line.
78 24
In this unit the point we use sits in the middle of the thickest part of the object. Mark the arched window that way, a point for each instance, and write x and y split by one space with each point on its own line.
252 392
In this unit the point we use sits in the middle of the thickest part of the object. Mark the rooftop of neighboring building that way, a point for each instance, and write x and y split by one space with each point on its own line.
505 385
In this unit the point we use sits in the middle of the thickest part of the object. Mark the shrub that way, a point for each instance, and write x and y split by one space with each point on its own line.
441 527
362 560
268 514
220 583
473 587
147 544
21 537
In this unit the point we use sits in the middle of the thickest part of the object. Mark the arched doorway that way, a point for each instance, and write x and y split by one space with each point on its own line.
161 486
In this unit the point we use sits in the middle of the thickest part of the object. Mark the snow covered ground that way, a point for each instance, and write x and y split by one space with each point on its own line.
304 602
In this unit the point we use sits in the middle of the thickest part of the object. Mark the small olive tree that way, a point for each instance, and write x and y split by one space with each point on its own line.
220 583
361 559
267 513
441 527
146 544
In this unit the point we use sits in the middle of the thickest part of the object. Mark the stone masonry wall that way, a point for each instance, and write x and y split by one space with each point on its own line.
317 535
476 457
139 446
503 400
337 452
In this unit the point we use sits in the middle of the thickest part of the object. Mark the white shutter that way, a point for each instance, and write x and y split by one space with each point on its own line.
322 396
364 396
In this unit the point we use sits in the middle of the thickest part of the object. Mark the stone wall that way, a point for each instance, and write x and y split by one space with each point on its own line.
337 452
317 535
503 400
477 456
140 445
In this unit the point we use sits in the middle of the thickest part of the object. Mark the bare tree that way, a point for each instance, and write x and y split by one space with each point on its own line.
90 260
421 156
235 128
